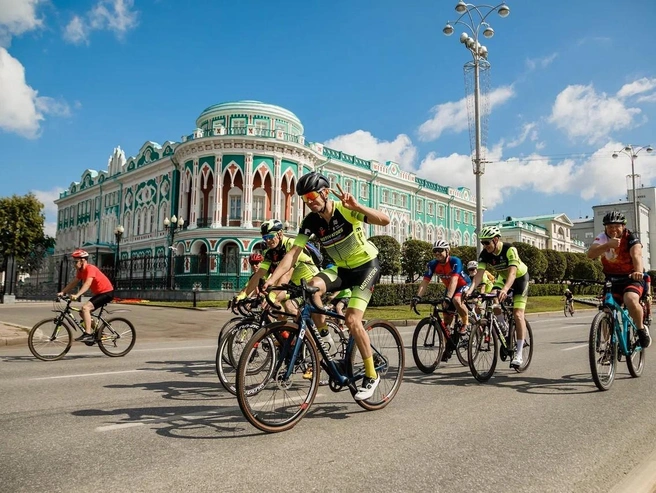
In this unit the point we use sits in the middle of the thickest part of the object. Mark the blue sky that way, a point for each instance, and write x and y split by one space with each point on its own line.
569 83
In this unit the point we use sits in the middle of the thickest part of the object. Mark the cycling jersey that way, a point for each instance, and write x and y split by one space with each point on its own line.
304 268
100 283
503 261
486 283
618 261
446 271
569 295
342 236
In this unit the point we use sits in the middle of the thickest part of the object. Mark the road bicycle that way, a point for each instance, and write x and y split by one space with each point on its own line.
613 334
51 339
568 309
433 341
489 341
276 399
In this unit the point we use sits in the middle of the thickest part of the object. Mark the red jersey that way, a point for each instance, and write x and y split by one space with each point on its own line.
100 284
618 262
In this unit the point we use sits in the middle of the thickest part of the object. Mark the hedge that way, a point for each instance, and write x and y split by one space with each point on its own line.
401 294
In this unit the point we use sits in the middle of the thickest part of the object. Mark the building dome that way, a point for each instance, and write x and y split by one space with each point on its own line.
248 107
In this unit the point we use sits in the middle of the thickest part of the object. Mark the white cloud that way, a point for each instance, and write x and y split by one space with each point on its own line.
21 108
107 15
637 87
529 130
533 63
582 113
364 145
453 116
17 17
47 198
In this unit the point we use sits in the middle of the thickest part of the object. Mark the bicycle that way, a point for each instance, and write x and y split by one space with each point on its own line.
51 339
613 334
489 341
433 341
568 309
278 402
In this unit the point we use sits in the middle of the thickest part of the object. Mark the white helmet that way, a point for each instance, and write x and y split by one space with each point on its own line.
472 265
441 244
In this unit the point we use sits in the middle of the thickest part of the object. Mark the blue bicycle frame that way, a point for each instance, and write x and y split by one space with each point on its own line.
621 321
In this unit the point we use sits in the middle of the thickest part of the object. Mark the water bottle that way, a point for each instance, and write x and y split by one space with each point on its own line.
327 341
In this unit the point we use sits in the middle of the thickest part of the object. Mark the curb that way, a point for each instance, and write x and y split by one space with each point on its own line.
16 338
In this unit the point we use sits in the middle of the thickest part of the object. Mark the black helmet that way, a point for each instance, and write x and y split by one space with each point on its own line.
312 182
614 217
270 226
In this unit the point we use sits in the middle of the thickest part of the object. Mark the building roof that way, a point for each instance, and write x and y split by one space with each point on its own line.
248 105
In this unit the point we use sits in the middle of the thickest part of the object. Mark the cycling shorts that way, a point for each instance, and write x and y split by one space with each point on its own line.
361 280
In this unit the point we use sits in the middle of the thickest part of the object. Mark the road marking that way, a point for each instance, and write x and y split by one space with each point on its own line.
88 374
172 348
576 347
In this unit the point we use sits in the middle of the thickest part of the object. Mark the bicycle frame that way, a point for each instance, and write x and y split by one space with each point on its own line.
66 314
621 321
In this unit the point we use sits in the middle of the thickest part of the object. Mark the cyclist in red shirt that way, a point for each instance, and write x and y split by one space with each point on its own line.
91 278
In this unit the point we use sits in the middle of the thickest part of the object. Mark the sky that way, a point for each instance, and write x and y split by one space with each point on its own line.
566 87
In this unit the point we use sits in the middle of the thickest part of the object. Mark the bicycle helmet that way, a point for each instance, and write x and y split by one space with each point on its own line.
255 258
441 244
79 254
567 290
614 217
311 182
472 265
270 226
489 232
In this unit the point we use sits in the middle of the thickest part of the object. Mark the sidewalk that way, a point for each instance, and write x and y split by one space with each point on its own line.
13 335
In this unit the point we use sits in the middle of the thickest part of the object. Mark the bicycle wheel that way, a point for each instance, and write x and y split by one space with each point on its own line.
427 345
226 372
602 351
483 352
225 329
636 360
116 337
238 338
269 399
566 310
571 309
462 347
49 342
389 360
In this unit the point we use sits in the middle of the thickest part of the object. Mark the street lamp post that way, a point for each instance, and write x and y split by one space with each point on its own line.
633 151
473 17
118 234
171 227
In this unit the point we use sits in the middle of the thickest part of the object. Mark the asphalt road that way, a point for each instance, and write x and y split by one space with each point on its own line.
158 420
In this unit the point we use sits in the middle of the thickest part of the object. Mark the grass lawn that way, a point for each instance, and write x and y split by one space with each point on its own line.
535 305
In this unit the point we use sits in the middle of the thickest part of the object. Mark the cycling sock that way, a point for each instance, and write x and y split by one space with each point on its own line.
369 368
520 345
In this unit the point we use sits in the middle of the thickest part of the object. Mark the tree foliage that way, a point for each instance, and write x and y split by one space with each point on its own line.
415 254
389 254
534 259
556 265
464 253
21 226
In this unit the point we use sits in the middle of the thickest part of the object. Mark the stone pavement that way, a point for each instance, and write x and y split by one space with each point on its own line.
11 335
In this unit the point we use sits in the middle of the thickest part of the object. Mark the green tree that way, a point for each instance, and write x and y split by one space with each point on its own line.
21 226
464 253
571 259
389 254
556 265
534 259
35 260
415 254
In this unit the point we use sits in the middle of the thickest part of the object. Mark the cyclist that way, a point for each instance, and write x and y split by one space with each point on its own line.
339 228
277 246
569 298
621 255
646 297
512 273
487 280
254 260
91 278
450 271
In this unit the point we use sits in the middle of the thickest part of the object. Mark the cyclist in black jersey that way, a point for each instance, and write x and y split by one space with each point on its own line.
339 227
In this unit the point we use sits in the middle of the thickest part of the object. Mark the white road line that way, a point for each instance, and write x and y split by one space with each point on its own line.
88 374
576 347
172 348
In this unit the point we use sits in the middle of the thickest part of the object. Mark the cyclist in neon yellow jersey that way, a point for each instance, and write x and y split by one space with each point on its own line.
487 282
339 227
277 246
512 273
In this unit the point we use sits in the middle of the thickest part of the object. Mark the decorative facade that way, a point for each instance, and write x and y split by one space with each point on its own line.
237 169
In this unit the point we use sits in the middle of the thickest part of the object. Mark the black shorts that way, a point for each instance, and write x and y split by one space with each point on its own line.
619 287
361 280
98 300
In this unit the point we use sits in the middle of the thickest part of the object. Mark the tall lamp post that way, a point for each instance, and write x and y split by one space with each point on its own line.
473 17
633 151
118 234
171 227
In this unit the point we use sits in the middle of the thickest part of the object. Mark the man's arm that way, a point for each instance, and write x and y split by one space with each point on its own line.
598 249
636 257
453 284
85 287
69 286
374 216
253 282
287 262
422 287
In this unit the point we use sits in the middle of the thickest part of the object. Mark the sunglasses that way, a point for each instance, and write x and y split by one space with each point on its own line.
485 242
310 196
269 237
472 270
439 250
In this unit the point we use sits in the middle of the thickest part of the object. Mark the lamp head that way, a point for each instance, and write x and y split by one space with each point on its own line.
167 223
628 148
464 37
461 7
180 222
504 11
615 155
448 29
488 32
174 219
649 149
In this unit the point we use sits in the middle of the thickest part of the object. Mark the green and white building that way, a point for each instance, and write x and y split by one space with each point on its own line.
238 168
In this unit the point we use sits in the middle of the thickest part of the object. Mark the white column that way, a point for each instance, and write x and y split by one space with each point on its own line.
247 194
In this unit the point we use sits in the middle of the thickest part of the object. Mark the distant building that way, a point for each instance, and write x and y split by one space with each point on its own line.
583 230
